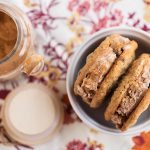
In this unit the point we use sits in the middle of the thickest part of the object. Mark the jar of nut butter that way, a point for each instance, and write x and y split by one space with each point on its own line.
16 43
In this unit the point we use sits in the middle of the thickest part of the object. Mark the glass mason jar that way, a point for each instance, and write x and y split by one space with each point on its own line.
22 57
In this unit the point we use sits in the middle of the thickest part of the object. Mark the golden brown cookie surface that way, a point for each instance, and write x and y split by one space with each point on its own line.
98 65
119 68
129 93
143 105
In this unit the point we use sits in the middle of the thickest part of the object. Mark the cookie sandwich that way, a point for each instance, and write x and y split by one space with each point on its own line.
103 68
132 96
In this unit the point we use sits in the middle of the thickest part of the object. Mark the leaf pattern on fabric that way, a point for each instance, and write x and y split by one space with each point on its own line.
88 145
61 26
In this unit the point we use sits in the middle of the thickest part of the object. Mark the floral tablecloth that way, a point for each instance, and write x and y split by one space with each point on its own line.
60 27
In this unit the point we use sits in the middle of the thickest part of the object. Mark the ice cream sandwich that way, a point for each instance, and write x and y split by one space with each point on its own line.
132 96
103 68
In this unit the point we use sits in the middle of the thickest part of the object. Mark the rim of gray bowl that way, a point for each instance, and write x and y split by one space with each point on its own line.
81 114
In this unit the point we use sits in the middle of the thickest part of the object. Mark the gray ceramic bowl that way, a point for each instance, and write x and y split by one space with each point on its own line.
95 117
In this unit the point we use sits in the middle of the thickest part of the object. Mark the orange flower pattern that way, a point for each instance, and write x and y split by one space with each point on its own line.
142 142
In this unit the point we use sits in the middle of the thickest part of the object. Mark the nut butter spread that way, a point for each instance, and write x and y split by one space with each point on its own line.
17 53
8 34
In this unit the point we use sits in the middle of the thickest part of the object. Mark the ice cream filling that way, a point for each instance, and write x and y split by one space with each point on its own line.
132 97
101 66
96 74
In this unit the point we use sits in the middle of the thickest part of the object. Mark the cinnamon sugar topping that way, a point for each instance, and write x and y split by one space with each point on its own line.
8 34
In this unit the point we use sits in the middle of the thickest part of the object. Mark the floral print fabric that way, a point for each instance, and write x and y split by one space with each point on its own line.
60 27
